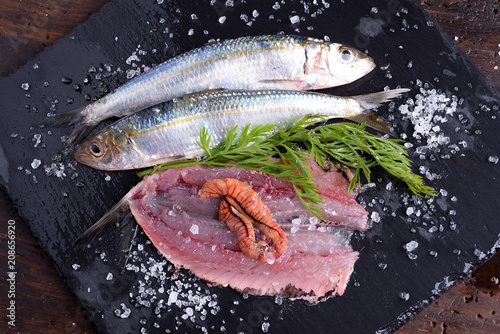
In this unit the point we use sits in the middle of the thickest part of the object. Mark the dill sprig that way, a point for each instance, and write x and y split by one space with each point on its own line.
348 143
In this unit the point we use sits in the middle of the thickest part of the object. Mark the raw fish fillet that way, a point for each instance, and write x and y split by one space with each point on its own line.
185 228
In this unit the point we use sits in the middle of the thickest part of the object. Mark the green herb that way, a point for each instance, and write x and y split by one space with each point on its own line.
346 143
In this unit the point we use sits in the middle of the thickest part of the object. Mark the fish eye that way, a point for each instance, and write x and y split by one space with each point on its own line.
95 149
346 55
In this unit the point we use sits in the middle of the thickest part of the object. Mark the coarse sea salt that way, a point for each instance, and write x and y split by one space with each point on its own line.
194 229
35 163
163 287
411 246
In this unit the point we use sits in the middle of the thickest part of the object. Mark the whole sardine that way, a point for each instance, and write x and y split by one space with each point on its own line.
260 62
169 131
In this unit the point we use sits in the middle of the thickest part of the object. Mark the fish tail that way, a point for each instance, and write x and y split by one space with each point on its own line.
374 100
65 119
71 117
110 219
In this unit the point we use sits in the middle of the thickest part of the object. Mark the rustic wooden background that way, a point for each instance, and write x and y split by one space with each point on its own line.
45 305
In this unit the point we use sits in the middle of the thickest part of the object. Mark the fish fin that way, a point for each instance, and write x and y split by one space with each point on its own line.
287 84
374 100
109 220
78 134
214 42
372 121
128 232
68 118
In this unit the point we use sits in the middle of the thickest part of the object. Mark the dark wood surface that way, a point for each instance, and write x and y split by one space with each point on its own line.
43 302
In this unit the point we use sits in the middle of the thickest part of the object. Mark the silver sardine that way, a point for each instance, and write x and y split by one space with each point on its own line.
259 62
170 130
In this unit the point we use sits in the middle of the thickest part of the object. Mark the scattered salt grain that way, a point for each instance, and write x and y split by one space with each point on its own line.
35 163
375 217
295 19
126 311
411 246
75 266
222 19
265 327
412 256
25 86
493 159
404 295
37 138
109 277
194 229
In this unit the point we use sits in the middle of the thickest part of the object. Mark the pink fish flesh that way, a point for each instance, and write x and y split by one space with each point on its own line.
185 228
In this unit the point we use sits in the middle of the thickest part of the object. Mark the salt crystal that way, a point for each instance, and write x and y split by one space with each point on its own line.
76 266
130 74
294 229
493 159
109 277
296 221
25 86
375 217
412 256
404 295
295 19
126 311
191 32
172 298
35 164
194 229
222 19
411 246
265 327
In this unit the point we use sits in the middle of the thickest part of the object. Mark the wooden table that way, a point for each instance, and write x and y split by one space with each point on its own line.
43 302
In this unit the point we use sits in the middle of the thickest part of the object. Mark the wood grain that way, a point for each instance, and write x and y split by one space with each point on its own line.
45 305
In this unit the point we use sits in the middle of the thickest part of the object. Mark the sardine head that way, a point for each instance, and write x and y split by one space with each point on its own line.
109 149
332 64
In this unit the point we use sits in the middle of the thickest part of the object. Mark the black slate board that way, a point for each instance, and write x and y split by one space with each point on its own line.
455 232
